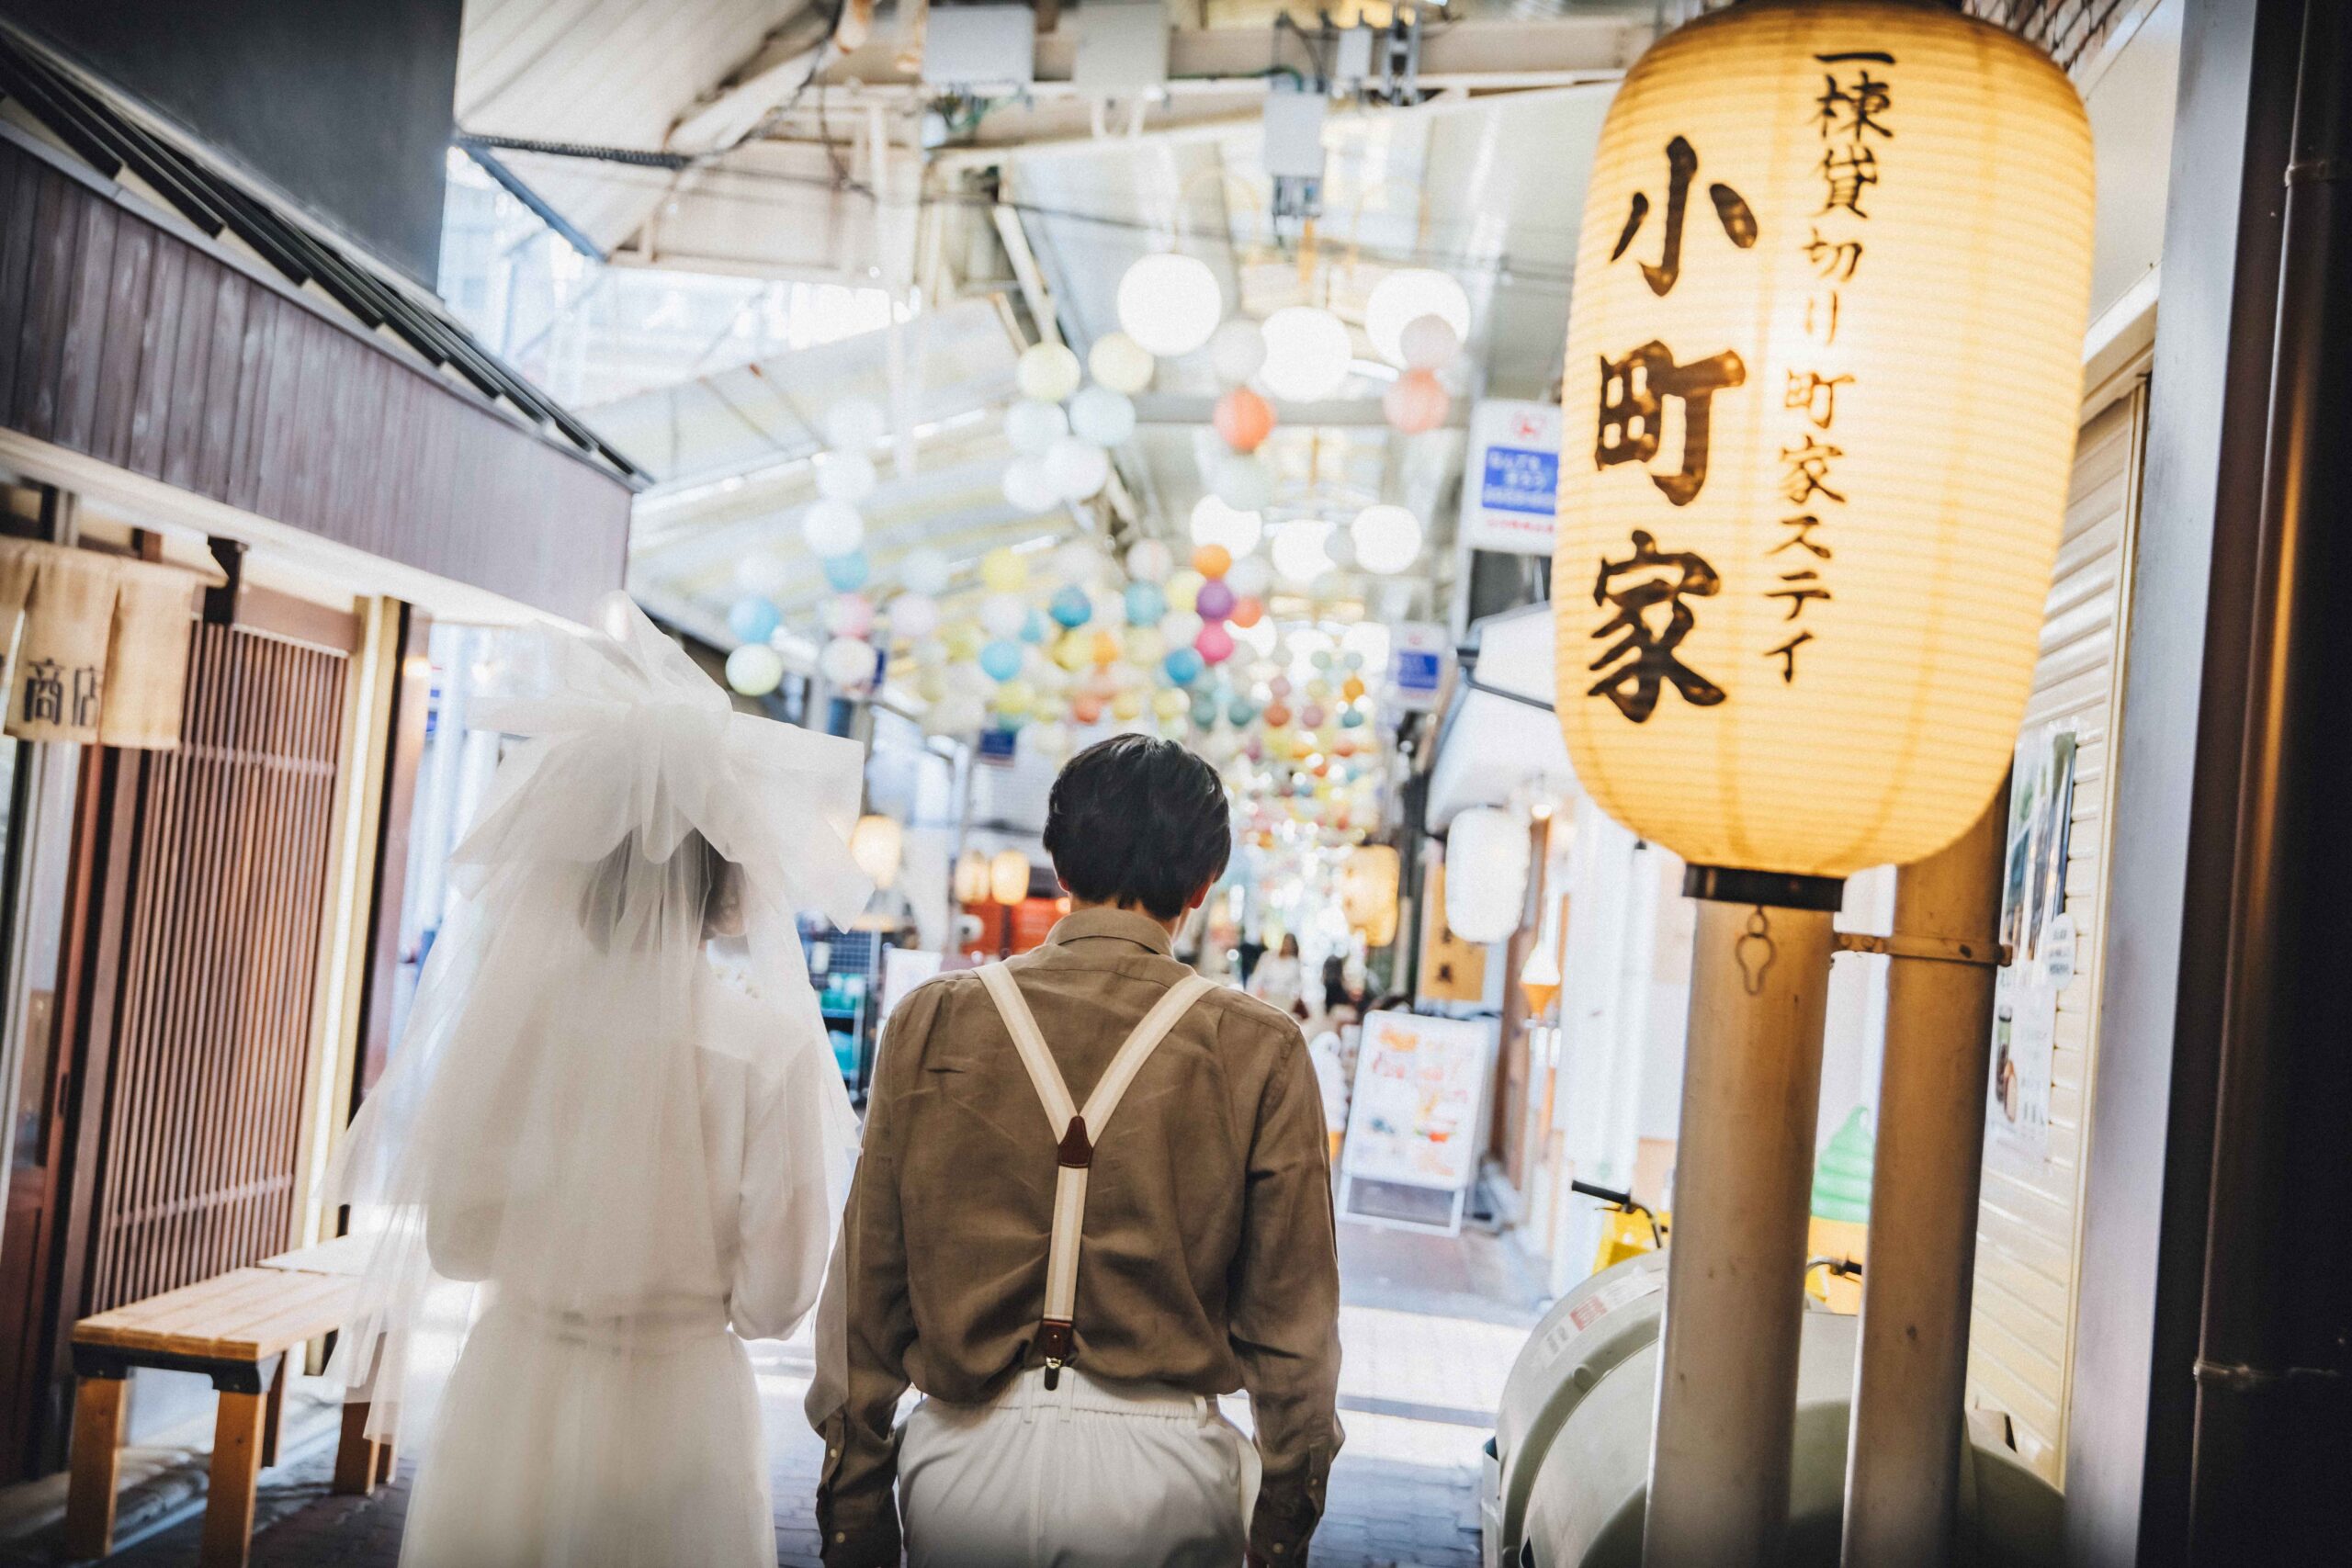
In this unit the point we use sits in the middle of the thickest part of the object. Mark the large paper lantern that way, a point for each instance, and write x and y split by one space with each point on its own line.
1823 364
1387 539
876 844
1485 874
1009 876
1368 893
1170 303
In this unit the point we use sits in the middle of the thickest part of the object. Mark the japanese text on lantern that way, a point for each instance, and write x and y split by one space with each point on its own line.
1850 118
1647 592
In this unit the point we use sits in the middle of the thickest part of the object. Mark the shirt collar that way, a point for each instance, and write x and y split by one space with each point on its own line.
1119 925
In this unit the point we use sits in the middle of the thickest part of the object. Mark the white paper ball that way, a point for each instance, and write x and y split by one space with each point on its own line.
923 571
1307 354
832 528
1120 363
1429 343
1102 416
1048 372
1032 426
1002 616
1404 296
1051 739
1216 522
846 662
1340 547
854 425
1077 468
845 476
761 574
1029 486
1170 303
1078 563
1149 560
1387 539
1238 350
958 713
755 669
1249 577
1298 550
1242 481
915 615
1178 627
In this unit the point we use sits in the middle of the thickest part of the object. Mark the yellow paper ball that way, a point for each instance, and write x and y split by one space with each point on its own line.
963 641
1003 572
1145 646
1352 688
1014 698
1103 647
1126 707
1183 590
1073 650
1170 704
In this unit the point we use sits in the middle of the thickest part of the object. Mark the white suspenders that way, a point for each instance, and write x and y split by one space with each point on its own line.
1074 1132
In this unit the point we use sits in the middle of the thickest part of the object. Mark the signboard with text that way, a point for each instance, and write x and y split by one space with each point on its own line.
1510 476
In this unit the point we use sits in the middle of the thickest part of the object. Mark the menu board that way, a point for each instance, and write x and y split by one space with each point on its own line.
1414 1117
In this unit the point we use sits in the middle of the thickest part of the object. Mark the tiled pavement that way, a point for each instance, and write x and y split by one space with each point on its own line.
1430 1326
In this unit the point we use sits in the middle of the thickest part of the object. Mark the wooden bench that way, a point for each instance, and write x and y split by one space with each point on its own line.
237 1330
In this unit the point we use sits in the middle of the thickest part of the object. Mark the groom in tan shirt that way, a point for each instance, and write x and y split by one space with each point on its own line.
1205 1264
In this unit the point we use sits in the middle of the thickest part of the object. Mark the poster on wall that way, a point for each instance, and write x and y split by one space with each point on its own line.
1510 476
2040 938
1413 1120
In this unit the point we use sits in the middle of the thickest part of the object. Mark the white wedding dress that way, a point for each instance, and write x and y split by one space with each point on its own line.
597 1164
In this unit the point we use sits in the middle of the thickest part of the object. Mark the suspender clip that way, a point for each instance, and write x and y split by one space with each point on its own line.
1057 1338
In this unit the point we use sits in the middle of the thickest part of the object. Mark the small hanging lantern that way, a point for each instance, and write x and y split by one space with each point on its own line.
1009 876
877 844
972 878
1487 856
1368 893
1823 366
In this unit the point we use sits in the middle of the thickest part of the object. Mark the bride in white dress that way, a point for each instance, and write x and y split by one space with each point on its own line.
597 1160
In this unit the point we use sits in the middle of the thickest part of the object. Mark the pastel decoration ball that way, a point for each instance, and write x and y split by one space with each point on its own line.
1428 343
1150 561
1071 606
1127 706
1102 416
963 641
1180 627
1250 577
1002 615
847 574
754 669
1034 627
1120 363
753 619
1145 604
1031 426
1184 589
1073 650
1238 350
1077 468
1415 402
915 615
1086 708
1214 645
1048 372
1212 560
846 661
1310 716
1246 613
1172 702
1182 665
1003 571
1242 482
1001 660
848 615
1029 485
1144 646
1239 711
1205 710
1276 715
1102 648
1215 601
923 571
831 528
1243 419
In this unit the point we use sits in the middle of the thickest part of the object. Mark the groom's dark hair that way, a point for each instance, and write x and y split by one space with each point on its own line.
1135 821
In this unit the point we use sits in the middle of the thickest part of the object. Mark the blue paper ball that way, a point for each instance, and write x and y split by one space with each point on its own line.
1205 710
1034 628
754 619
1000 661
1241 712
848 573
1351 718
1146 604
1072 607
1184 665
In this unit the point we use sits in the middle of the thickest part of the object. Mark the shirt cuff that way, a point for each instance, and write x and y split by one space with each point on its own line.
1288 1511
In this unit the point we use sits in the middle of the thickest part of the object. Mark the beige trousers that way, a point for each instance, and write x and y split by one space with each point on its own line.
1091 1475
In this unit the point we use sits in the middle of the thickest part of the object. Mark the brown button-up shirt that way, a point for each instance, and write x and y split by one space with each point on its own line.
1209 1260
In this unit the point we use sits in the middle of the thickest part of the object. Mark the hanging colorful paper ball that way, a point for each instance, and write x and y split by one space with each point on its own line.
754 619
1350 719
1048 372
1280 687
1242 419
1145 604
1003 571
847 663
1077 468
845 476
1242 482
923 571
1126 707
1429 343
1170 303
1184 589
1212 560
848 615
1249 577
1215 601
1102 416
1120 363
1276 715
1002 615
1073 650
1086 708
1029 485
1180 627
1101 648
1015 698
1214 644
958 713
847 574
1182 665
1071 606
755 669
831 528
1170 704
1031 426
1352 688
915 615
1238 350
1415 402
1001 660
1246 613
1239 711
1034 627
1150 561
962 640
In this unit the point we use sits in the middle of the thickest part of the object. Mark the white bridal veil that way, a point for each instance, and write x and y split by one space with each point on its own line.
542 1149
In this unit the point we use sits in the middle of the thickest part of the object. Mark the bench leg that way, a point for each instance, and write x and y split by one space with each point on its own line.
97 1459
236 1468
274 1413
387 1458
354 1456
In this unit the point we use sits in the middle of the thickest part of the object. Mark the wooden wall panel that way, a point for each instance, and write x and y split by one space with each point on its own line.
229 857
127 337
